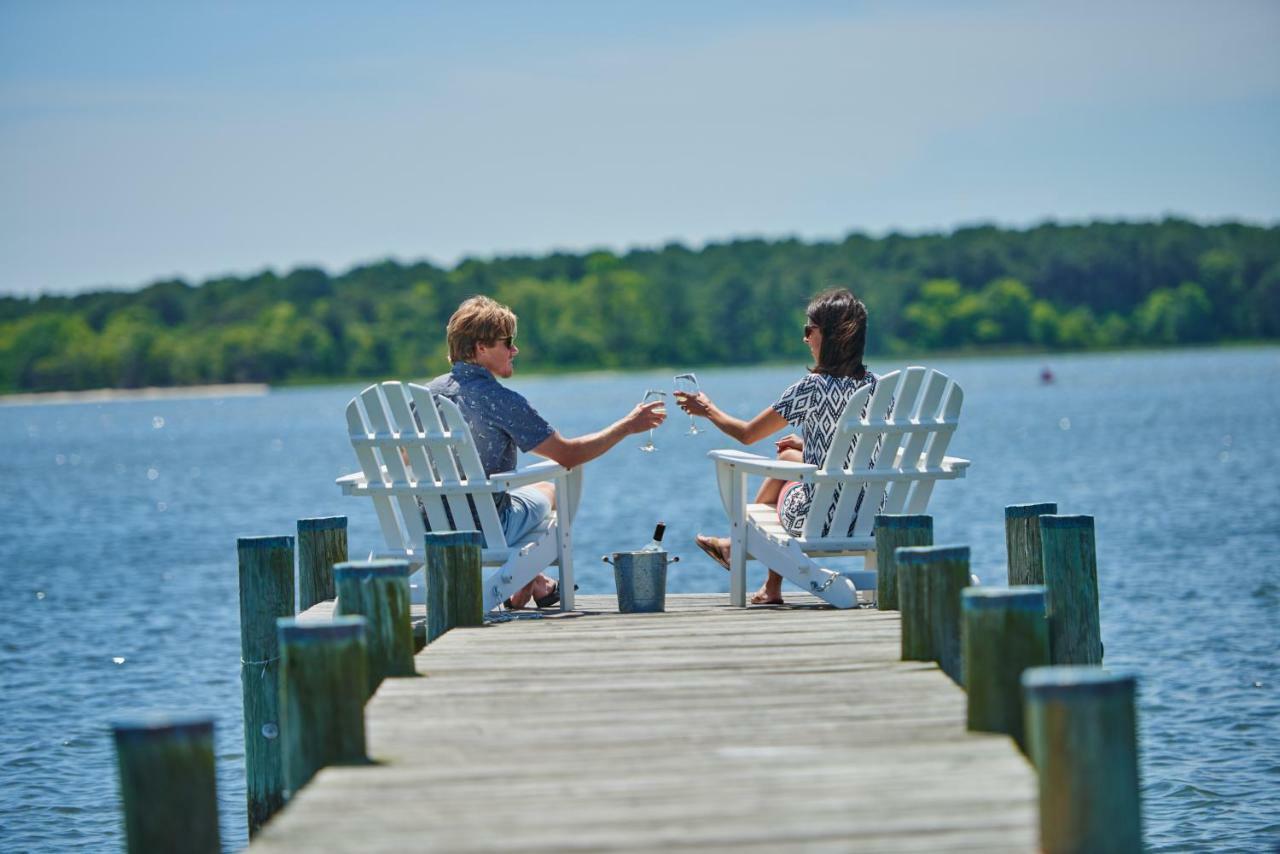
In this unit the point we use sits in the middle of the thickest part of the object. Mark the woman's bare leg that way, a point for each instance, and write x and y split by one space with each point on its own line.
772 486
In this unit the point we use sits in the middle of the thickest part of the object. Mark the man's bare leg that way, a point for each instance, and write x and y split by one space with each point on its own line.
542 584
548 489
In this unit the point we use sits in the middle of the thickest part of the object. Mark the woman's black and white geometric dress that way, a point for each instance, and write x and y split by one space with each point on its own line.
815 404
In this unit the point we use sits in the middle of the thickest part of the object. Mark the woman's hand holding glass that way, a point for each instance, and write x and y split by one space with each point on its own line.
687 384
694 403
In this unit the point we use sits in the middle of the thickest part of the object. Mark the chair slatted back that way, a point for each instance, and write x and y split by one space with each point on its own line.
420 467
906 398
947 416
469 458
898 492
845 455
864 447
907 426
380 420
445 467
434 456
370 460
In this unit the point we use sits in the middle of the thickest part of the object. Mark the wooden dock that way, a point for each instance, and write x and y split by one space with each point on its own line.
706 727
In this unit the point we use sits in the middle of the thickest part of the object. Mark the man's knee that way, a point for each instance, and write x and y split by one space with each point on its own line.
548 489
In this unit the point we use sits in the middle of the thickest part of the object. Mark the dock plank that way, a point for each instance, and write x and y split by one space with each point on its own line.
707 727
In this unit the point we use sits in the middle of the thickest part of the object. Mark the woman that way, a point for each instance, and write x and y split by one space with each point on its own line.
836 333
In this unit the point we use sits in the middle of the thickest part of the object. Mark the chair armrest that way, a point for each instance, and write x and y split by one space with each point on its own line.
539 471
756 464
957 464
353 478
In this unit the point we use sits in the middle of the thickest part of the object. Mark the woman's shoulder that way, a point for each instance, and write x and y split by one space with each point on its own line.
827 384
809 384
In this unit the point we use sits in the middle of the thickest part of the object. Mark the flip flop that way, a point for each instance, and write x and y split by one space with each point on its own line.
708 545
757 599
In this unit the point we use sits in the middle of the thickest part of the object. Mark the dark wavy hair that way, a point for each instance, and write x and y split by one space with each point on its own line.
842 319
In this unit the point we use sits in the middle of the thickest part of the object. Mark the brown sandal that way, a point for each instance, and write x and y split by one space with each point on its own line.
709 545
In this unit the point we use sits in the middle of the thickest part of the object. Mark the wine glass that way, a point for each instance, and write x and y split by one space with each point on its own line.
649 397
688 384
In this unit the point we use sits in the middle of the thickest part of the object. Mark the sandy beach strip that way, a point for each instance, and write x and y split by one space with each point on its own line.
108 395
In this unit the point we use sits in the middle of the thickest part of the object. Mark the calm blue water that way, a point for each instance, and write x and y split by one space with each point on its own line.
120 521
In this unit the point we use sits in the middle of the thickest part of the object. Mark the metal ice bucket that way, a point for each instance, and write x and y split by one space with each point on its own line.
641 578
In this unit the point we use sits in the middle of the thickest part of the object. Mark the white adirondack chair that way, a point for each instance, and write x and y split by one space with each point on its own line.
438 464
909 421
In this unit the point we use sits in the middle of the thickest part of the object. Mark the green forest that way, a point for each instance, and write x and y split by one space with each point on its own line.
1050 287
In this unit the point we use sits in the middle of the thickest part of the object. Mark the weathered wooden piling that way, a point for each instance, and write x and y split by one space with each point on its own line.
1004 633
322 544
1082 730
266 594
323 682
917 640
1022 542
948 577
1071 589
929 583
455 592
378 590
894 531
168 785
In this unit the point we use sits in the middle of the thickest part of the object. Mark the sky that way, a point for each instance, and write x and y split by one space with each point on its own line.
145 141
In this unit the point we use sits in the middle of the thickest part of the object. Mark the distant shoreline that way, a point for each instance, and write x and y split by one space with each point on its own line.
878 361
107 395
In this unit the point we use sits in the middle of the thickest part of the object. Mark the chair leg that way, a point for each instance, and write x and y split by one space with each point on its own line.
501 582
568 492
564 557
738 543
869 564
738 571
801 570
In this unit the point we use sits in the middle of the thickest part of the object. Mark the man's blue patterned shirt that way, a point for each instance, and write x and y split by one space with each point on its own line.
501 420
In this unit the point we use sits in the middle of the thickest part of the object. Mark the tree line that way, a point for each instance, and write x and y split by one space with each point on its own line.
1051 287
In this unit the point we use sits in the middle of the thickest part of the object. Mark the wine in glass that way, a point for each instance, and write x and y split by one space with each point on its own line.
649 397
688 384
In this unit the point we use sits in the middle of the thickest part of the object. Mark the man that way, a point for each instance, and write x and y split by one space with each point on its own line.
482 348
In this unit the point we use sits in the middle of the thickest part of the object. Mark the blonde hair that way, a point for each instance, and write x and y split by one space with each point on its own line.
478 320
